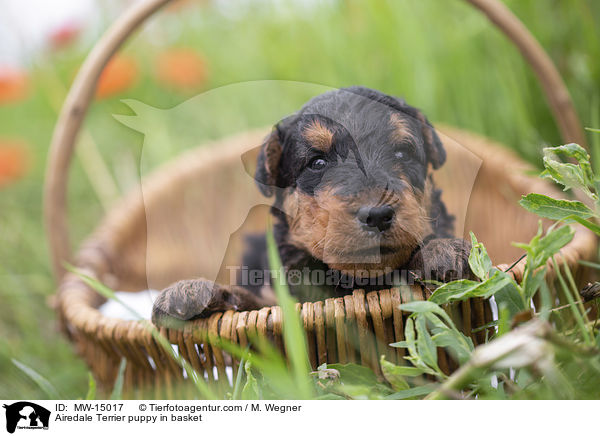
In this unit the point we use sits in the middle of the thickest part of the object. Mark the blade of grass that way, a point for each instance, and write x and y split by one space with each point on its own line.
574 309
590 264
39 380
237 386
577 295
91 393
595 138
293 332
117 392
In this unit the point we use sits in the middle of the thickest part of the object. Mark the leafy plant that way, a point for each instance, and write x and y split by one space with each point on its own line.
571 176
427 328
578 177
512 297
538 348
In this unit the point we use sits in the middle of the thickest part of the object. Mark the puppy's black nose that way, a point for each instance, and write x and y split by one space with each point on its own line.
380 217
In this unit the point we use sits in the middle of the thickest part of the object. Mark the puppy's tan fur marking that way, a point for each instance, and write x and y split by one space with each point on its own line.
273 150
319 136
401 128
325 226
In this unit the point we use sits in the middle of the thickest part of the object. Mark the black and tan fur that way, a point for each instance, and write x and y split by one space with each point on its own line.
350 174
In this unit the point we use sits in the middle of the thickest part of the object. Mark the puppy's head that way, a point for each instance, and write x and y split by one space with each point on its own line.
352 168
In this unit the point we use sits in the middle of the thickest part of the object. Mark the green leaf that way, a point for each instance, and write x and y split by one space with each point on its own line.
419 391
479 261
426 347
365 392
456 344
540 249
392 373
510 299
456 290
572 150
411 345
351 373
358 381
421 307
425 307
38 379
399 344
251 390
548 207
447 335
576 152
533 283
546 302
586 223
464 289
408 371
567 174
409 335
504 318
444 334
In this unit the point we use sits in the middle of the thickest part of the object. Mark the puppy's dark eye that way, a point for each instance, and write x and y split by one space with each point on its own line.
317 164
403 155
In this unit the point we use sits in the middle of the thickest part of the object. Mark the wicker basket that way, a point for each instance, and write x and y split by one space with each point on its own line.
125 255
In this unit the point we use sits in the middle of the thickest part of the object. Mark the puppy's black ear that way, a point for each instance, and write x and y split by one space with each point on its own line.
268 163
436 154
268 175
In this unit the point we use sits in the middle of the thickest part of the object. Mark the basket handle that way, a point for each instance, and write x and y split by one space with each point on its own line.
556 92
82 91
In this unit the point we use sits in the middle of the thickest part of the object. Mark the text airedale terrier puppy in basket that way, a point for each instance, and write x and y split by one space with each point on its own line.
355 207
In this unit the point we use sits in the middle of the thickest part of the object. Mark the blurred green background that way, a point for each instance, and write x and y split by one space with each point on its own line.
442 56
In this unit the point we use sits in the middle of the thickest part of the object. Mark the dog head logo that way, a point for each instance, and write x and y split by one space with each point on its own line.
355 174
26 415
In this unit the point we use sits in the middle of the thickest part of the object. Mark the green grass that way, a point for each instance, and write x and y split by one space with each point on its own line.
441 56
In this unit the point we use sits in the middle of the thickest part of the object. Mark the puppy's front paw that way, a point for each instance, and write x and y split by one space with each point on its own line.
185 300
443 260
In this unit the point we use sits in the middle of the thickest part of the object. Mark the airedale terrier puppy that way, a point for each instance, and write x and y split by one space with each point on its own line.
354 206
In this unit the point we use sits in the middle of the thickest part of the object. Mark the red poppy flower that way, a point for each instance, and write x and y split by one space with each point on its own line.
14 161
182 69
178 5
119 75
14 85
64 35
